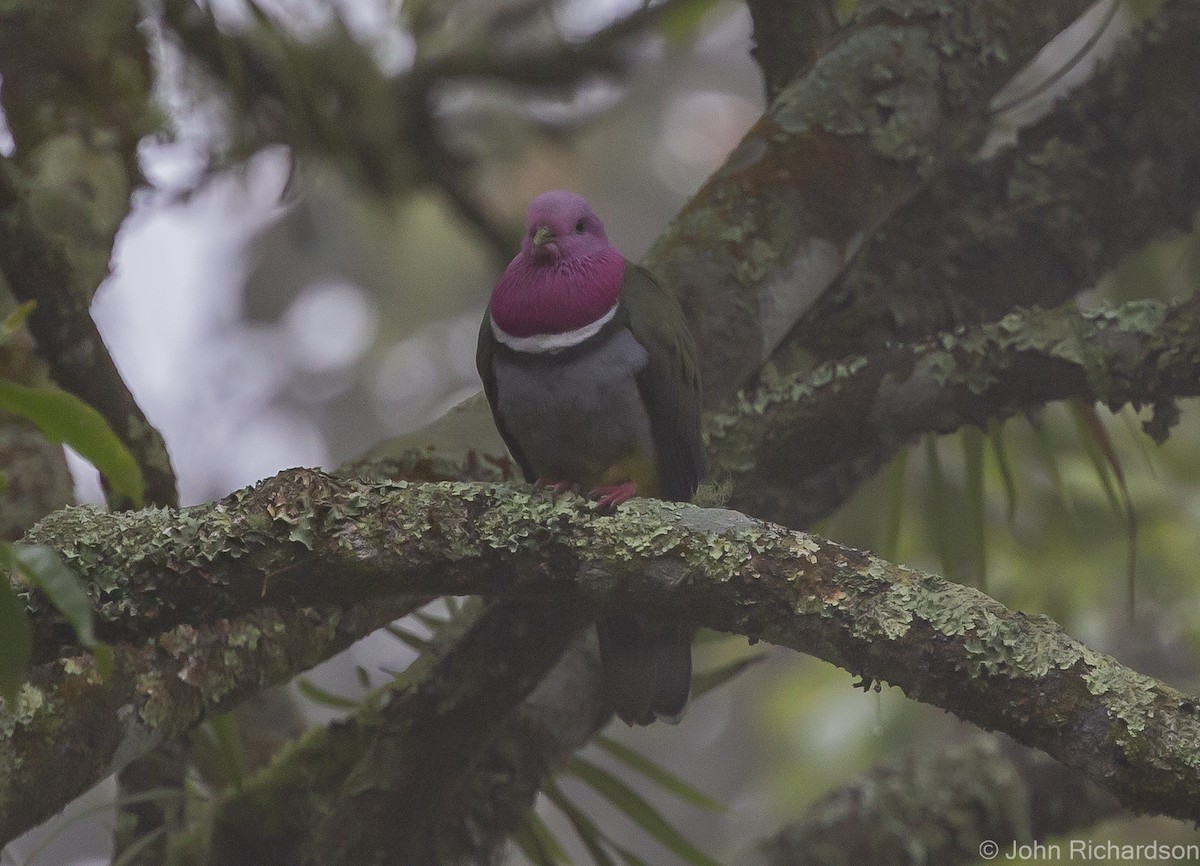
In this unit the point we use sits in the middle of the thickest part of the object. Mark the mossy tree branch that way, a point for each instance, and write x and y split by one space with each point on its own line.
1112 167
785 438
1140 352
765 266
304 539
900 95
940 806
77 97
490 801
70 727
779 441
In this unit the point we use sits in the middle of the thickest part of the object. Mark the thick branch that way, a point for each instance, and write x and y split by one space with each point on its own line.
1112 167
305 539
902 94
434 734
492 794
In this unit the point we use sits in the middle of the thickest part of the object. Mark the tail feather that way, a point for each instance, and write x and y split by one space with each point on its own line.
647 669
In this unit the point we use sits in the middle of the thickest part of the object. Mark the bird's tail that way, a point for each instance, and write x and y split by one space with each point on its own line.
647 667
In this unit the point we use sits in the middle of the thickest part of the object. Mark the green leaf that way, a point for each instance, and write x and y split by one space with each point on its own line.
589 834
221 741
706 681
103 654
1091 434
62 417
133 853
660 776
680 22
537 843
16 640
1049 456
326 698
889 548
1104 460
408 638
43 568
635 807
972 442
1000 454
17 317
628 856
431 621
1139 438
941 525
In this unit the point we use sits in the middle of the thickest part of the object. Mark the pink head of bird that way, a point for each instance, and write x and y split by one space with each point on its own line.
567 274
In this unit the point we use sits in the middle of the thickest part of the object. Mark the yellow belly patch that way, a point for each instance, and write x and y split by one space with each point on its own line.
636 466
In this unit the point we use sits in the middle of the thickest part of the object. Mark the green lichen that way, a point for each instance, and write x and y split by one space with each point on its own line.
1130 697
30 703
884 59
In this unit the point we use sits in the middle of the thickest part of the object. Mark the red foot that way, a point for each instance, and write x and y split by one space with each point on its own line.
559 487
609 497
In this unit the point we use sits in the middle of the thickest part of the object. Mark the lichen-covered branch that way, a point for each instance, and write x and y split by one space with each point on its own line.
781 437
433 735
1112 167
940 806
492 795
77 98
902 94
70 728
1036 223
304 539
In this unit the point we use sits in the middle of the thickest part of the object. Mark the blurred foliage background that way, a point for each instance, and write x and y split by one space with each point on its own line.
270 310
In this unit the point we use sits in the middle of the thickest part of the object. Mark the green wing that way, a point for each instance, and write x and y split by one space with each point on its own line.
670 384
484 352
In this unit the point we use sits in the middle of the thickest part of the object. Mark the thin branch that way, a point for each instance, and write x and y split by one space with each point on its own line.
556 66
38 270
77 94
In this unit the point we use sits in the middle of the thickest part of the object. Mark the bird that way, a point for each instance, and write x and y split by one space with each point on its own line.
593 382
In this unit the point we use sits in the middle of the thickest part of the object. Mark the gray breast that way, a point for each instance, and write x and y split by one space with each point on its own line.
575 410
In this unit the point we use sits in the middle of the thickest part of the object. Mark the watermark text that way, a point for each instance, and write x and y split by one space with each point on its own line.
1089 851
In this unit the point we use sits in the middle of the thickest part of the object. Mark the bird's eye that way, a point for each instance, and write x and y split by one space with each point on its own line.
579 227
